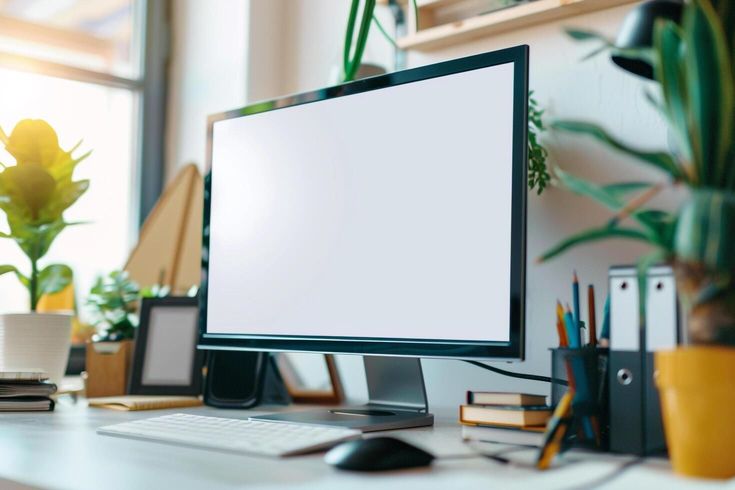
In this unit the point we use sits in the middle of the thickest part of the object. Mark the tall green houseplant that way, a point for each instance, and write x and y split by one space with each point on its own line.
694 67
34 194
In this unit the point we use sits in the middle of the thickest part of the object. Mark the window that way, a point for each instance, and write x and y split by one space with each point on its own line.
79 65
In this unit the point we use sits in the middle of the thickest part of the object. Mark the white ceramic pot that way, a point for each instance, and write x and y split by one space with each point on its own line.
35 340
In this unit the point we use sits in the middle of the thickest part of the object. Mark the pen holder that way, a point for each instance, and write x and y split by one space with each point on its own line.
588 369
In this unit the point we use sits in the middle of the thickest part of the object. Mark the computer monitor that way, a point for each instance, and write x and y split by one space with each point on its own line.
382 217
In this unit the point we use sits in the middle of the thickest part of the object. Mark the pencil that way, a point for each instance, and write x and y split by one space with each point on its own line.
592 314
605 333
560 327
575 299
556 430
572 329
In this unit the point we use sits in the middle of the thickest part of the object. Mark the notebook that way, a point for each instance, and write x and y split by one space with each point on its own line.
26 388
26 404
505 415
23 375
143 402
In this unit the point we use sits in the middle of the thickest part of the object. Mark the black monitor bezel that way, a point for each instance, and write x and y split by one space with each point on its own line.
514 349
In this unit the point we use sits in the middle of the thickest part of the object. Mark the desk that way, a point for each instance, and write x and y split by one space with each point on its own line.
62 450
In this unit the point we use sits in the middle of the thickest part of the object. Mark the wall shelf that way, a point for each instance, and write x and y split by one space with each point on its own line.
527 14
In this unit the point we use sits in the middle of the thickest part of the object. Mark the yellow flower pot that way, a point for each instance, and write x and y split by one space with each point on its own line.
697 390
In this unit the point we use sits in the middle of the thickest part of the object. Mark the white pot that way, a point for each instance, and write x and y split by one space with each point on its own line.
35 341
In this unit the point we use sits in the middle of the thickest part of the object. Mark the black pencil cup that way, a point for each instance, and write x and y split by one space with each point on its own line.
590 406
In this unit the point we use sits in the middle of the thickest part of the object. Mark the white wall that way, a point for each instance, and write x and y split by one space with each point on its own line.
207 73
309 34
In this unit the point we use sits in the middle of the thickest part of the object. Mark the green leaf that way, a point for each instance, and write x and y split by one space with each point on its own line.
612 197
65 195
584 188
710 82
621 190
54 278
705 230
4 269
593 235
585 35
35 240
384 33
661 160
668 69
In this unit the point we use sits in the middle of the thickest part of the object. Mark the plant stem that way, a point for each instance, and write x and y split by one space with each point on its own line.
384 32
33 284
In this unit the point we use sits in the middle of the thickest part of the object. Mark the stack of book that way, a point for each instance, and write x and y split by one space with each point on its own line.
25 391
507 418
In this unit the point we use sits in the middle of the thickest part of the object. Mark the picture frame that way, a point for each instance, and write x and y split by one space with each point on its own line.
311 378
166 360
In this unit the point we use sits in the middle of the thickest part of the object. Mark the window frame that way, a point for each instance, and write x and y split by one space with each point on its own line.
151 88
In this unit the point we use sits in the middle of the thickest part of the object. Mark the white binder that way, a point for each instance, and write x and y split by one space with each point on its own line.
635 417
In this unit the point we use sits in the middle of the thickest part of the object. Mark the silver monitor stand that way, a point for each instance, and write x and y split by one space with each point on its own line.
397 400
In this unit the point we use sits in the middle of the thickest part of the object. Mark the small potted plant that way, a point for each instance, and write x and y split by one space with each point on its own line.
694 65
112 305
34 194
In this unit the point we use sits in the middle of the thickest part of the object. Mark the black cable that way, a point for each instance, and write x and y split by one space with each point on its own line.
532 377
605 479
497 456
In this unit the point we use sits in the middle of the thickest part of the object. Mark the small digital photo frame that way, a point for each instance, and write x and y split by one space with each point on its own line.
166 360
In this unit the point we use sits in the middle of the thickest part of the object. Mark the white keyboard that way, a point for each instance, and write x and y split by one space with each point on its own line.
232 435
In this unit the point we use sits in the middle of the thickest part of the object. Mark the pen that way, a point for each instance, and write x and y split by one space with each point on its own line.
572 329
605 333
592 314
575 299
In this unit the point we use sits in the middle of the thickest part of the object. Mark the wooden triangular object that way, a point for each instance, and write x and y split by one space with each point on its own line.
169 248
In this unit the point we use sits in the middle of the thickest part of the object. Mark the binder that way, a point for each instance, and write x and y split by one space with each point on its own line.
635 415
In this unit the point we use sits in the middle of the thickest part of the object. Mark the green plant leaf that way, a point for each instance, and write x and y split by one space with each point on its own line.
593 235
661 160
35 240
668 69
621 190
585 188
705 230
586 35
710 82
613 197
4 269
352 63
65 194
54 278
384 33
352 17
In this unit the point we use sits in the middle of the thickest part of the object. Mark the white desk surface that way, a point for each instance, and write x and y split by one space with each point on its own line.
61 450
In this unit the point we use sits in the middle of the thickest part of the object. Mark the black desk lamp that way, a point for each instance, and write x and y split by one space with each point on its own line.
637 32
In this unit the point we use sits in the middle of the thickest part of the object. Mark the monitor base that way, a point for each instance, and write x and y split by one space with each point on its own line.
397 400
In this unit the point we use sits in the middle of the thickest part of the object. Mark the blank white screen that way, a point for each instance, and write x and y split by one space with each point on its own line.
385 214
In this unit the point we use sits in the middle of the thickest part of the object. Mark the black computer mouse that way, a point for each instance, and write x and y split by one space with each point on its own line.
377 454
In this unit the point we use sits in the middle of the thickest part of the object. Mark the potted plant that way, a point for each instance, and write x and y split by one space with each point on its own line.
112 305
34 194
694 66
